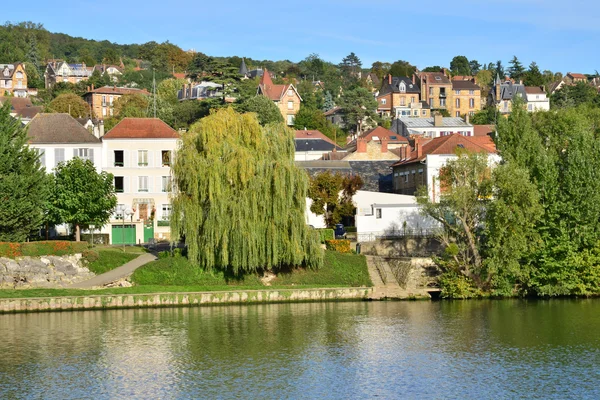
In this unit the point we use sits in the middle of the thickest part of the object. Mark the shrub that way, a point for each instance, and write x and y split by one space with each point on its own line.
44 248
90 255
341 245
350 229
326 234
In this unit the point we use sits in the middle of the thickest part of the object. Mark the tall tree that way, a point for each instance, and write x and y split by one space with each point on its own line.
533 76
266 111
131 105
24 185
358 106
516 70
313 118
81 196
460 66
72 104
247 212
351 65
402 68
499 70
331 195
475 67
380 69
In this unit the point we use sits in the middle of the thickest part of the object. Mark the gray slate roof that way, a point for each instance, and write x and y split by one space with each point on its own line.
376 175
395 86
304 144
58 128
508 90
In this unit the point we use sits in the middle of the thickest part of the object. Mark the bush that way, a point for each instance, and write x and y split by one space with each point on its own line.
44 248
456 286
164 254
341 245
90 255
350 229
326 234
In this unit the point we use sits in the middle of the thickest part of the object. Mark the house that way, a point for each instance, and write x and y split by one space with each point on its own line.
139 152
60 71
572 78
101 100
466 98
94 126
22 108
420 166
401 97
59 137
13 80
380 135
312 144
286 97
200 91
373 80
432 127
503 92
335 116
537 99
436 89
113 71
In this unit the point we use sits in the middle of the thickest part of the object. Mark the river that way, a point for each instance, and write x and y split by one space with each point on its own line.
350 350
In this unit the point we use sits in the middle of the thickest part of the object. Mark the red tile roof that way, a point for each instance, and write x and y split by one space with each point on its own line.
577 76
380 132
272 91
141 128
179 75
312 134
448 144
118 90
483 130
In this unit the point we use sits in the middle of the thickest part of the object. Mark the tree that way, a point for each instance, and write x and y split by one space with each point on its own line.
328 102
81 196
484 78
499 70
516 69
331 195
131 105
266 111
167 90
403 68
358 106
435 68
71 104
314 67
312 118
247 211
460 66
351 65
475 67
575 95
533 76
380 69
485 116
111 56
24 185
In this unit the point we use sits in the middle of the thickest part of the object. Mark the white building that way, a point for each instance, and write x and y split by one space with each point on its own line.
432 127
537 99
139 153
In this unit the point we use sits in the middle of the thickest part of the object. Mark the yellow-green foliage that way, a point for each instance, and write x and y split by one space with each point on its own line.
339 245
241 199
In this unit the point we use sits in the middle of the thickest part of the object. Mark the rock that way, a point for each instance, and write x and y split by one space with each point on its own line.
267 278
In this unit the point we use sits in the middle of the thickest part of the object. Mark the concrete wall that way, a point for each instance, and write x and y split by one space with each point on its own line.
179 299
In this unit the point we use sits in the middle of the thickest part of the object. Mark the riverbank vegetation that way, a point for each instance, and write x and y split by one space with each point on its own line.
531 225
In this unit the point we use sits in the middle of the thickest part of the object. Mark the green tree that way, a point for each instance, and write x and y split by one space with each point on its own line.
533 76
475 67
266 111
403 68
498 70
72 104
131 105
358 106
111 56
247 212
312 118
82 196
435 68
328 102
485 116
331 195
381 69
24 185
350 65
484 78
516 69
460 66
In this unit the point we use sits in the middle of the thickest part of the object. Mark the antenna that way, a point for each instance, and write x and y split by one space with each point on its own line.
154 89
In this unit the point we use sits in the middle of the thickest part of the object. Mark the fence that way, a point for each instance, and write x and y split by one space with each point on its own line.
397 234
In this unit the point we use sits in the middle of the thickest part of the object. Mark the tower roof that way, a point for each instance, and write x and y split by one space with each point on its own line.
243 69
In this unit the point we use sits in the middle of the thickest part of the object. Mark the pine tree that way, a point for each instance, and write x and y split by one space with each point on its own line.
516 69
533 76
24 185
240 198
328 102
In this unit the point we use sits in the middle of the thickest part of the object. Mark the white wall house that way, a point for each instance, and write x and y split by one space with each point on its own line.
537 99
139 153
433 127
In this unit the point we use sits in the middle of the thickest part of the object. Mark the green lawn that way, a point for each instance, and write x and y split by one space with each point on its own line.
109 259
176 274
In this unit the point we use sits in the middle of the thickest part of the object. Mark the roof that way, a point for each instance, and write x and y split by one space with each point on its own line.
534 90
463 78
11 69
396 84
118 90
374 78
103 67
447 122
243 69
464 85
179 75
381 133
312 134
141 128
313 140
334 110
376 175
435 78
447 145
576 75
272 91
483 130
508 90
58 128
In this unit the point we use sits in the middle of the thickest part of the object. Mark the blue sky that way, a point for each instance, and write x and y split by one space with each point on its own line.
560 36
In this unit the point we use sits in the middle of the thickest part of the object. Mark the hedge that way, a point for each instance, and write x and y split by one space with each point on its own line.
350 229
37 249
341 245
326 234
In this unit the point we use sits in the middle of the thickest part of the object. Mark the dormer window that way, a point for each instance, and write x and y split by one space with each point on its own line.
6 72
402 87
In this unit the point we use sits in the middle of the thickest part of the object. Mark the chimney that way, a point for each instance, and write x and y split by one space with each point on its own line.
445 71
101 128
390 79
467 118
384 145
92 87
438 120
361 145
418 147
414 79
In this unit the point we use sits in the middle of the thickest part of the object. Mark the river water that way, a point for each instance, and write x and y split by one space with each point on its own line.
352 350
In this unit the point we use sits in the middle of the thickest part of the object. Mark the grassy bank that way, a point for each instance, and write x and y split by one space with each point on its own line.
105 260
177 274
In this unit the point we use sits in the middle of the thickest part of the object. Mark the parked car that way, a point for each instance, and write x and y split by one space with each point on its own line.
340 232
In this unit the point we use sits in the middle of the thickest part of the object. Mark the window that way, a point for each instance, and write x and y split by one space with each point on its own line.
442 102
165 156
471 113
104 111
142 158
412 100
19 75
424 112
457 92
119 158
166 183
430 91
59 156
119 184
290 92
406 177
471 92
378 213
103 100
290 119
84 154
110 99
42 155
530 107
402 87
471 103
458 114
415 113
402 102
166 212
457 103
142 183
290 105
383 101
431 103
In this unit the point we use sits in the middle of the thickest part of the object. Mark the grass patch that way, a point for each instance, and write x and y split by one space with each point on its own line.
108 260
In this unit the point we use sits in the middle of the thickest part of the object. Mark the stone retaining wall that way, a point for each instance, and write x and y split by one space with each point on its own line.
42 272
92 302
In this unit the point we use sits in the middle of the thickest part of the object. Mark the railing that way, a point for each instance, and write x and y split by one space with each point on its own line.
397 234
119 164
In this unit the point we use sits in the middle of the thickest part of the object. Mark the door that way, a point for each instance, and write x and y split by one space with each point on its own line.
143 211
123 234
148 231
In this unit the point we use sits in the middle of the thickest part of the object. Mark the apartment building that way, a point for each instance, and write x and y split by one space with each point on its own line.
13 80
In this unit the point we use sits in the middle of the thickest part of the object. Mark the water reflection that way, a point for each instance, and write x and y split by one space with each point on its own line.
479 349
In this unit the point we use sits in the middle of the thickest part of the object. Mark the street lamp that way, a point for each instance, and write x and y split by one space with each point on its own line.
123 212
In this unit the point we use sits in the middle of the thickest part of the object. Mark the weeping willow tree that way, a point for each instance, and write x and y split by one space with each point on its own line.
240 198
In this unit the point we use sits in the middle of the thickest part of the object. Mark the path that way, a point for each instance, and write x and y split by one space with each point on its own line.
115 274
384 282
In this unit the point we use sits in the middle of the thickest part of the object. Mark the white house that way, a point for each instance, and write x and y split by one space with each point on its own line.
432 127
59 137
139 153
537 99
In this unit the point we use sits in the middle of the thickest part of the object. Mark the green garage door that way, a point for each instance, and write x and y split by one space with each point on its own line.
123 234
